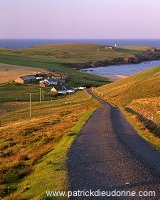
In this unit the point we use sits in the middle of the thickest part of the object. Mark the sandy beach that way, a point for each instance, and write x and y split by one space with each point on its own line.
112 77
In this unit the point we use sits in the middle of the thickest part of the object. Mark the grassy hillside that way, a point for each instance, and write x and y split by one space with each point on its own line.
76 53
33 150
68 57
138 96
70 53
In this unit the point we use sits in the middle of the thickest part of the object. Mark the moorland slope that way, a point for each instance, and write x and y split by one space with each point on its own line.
34 149
139 97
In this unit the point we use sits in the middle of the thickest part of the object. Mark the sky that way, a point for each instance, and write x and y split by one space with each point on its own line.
79 19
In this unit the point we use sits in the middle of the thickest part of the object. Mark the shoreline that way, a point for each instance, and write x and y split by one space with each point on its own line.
112 77
118 74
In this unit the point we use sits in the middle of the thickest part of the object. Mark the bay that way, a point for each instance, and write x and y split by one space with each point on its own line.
125 69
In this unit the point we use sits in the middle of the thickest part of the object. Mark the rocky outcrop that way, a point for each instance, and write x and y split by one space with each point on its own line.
147 56
153 49
117 61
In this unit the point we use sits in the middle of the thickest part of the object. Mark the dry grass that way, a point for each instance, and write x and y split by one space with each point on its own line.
139 97
9 73
148 107
23 143
146 114
142 85
138 48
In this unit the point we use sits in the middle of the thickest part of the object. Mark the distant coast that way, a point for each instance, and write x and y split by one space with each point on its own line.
146 56
27 43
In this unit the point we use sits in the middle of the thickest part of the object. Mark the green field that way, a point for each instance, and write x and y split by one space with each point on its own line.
11 92
139 97
72 53
75 78
66 53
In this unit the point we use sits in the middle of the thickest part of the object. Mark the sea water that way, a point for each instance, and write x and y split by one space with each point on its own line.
125 69
26 43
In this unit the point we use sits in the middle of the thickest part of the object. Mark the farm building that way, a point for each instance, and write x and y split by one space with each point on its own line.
25 79
59 89
51 81
43 84
81 88
69 89
63 89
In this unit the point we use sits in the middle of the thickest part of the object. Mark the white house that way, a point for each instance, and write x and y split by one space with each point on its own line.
59 89
51 81
69 89
81 88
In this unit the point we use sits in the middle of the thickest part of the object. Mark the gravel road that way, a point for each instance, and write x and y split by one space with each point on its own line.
109 155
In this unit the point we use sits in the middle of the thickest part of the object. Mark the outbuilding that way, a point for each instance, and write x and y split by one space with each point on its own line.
43 84
25 79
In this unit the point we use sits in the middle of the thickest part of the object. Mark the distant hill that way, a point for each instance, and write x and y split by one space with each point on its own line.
139 97
82 55
69 58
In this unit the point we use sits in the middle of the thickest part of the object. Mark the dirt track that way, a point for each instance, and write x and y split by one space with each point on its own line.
109 155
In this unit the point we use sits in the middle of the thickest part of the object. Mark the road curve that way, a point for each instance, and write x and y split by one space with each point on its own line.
109 155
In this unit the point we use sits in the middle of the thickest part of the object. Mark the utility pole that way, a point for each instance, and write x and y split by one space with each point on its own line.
40 95
30 105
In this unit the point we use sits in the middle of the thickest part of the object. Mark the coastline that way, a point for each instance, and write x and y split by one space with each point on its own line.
27 43
112 77
114 73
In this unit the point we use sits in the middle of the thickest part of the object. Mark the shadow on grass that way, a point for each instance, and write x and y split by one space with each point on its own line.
149 124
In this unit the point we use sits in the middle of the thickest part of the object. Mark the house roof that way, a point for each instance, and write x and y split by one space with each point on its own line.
45 83
68 88
51 79
27 77
59 88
